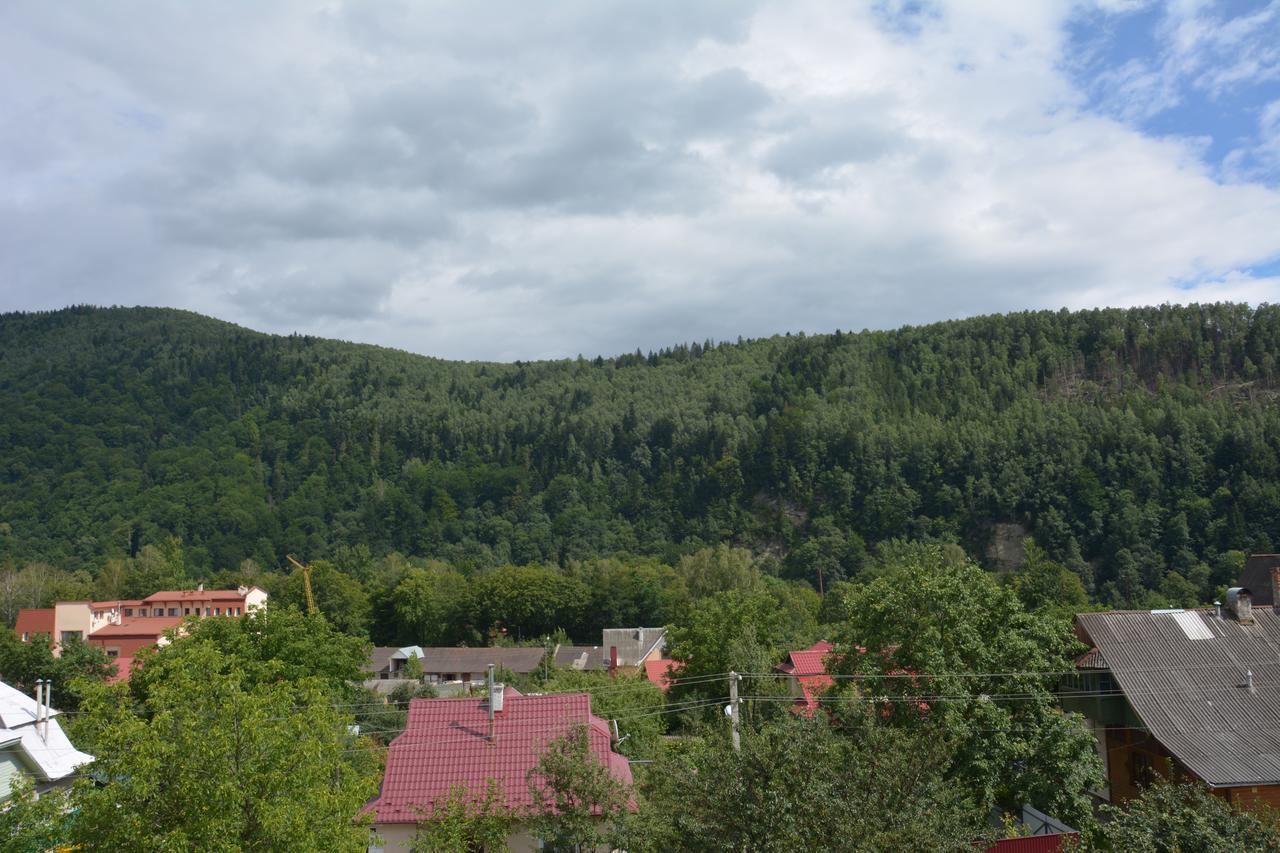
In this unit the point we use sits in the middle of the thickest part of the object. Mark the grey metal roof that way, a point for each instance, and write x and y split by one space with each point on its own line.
441 660
380 658
580 657
633 644
1181 670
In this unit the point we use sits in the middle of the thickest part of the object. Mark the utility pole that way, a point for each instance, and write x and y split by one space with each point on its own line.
733 709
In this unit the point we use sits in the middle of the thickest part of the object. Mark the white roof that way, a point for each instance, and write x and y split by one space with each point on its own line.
53 755
407 652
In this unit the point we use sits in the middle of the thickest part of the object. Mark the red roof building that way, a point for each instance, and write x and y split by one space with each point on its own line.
808 671
446 744
661 671
130 637
33 621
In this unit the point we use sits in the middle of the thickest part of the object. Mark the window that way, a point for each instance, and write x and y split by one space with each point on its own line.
157 611
70 635
26 637
113 652
217 611
128 611
237 611
173 611
186 611
206 611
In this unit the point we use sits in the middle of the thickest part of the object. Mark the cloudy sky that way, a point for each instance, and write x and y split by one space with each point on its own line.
519 180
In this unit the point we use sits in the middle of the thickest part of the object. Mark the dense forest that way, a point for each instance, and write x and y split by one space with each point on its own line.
1139 448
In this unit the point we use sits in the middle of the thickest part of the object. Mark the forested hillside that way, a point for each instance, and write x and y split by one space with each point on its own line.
1139 446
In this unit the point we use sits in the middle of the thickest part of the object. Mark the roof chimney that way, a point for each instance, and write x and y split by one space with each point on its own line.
1240 605
496 691
199 587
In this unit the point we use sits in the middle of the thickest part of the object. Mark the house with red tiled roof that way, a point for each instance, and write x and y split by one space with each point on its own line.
807 669
449 744
660 672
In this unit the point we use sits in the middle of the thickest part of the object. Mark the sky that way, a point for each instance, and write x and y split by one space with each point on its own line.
527 180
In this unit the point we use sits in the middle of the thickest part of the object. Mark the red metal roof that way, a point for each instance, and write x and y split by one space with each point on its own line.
446 744
139 626
34 620
661 671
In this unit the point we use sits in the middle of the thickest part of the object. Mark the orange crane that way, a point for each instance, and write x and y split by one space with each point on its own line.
306 583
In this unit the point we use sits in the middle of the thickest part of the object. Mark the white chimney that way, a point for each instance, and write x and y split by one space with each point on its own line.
496 691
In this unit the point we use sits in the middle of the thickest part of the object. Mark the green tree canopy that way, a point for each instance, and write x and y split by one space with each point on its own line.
954 654
217 759
798 784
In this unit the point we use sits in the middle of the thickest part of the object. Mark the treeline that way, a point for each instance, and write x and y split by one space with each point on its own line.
1138 447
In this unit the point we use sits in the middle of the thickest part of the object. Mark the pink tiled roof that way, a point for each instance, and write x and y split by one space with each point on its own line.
661 671
445 744
141 626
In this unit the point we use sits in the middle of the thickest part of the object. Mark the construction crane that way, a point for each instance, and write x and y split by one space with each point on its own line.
306 583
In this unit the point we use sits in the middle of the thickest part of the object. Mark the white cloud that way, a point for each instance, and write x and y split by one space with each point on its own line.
521 181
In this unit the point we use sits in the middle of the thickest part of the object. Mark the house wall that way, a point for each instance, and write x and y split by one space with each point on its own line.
128 646
102 617
71 616
1253 798
254 599
1135 758
12 768
398 838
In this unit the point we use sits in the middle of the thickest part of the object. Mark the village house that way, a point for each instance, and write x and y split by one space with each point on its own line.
451 743
661 672
807 675
1184 694
33 744
628 648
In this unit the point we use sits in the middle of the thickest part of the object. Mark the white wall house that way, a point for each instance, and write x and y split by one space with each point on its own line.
32 744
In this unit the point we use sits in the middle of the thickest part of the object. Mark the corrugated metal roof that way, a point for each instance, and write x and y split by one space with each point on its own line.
633 644
1184 686
580 657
